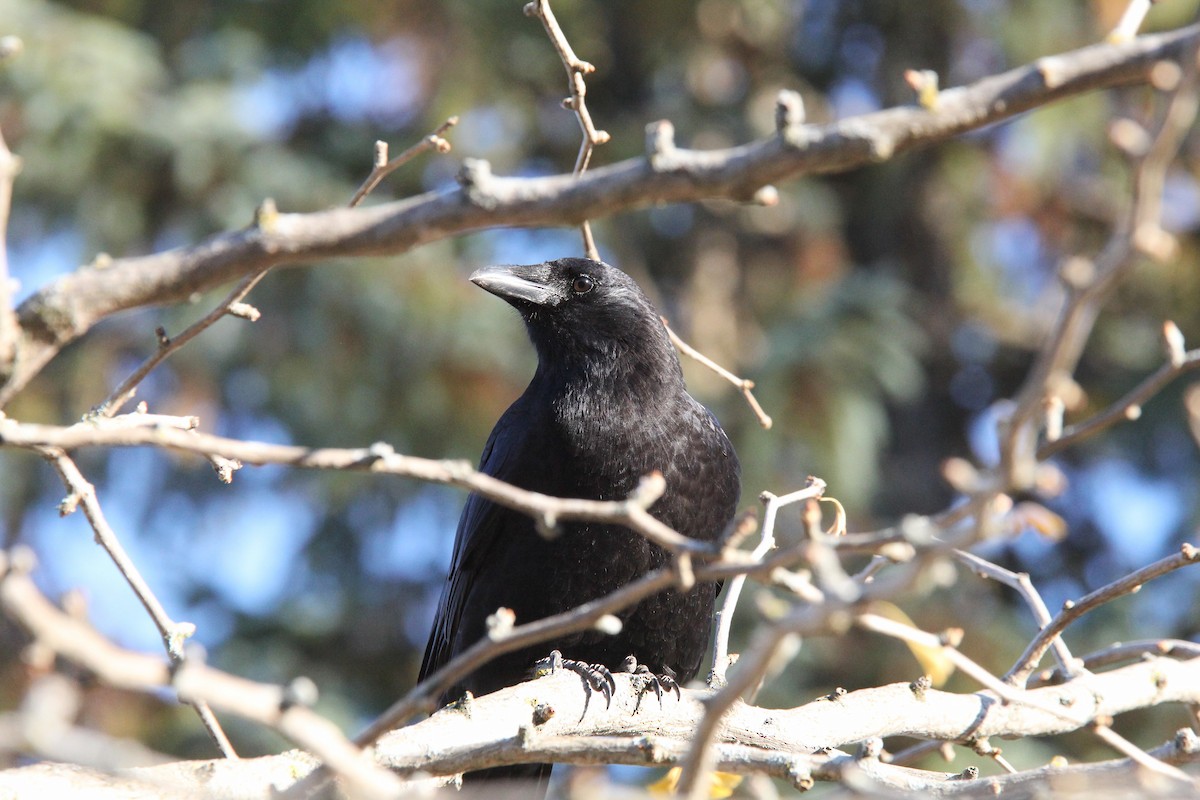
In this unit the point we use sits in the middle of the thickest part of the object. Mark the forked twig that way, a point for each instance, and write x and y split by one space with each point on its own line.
1020 582
382 167
232 305
1072 610
576 69
724 616
1128 407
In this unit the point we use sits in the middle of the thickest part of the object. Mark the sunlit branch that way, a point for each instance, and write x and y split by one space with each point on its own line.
82 494
71 305
1074 609
278 707
382 166
743 385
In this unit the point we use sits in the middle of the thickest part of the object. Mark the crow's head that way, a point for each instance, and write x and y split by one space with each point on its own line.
578 309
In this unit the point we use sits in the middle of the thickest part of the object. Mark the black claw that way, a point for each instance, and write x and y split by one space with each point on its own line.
645 680
607 675
667 679
548 665
595 677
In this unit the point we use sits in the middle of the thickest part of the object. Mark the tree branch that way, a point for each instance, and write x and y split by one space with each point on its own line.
273 706
71 305
380 458
1072 610
501 728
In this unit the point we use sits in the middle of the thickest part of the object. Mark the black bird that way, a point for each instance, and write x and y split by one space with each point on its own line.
606 406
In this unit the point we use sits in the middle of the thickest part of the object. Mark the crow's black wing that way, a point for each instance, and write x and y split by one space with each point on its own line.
478 530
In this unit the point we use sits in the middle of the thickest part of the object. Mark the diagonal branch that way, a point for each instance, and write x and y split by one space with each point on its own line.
1072 610
1127 408
743 385
384 167
68 307
194 682
174 634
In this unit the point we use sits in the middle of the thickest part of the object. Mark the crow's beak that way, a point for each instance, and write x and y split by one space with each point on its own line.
505 282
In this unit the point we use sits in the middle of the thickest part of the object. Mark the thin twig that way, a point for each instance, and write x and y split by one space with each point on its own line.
1127 408
576 69
382 167
947 644
1072 610
743 385
1131 21
232 305
985 748
1033 598
174 634
724 616
1119 653
1144 759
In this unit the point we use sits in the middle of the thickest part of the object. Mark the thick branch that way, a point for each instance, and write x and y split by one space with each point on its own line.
69 307
453 740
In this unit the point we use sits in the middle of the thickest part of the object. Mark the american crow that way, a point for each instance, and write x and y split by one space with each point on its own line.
606 406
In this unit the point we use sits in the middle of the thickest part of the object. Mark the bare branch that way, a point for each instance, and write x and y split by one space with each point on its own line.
1032 597
724 616
71 305
1128 407
233 304
174 634
576 69
1144 759
382 167
1072 610
1089 284
453 740
379 458
743 385
1120 653
272 706
947 643
774 740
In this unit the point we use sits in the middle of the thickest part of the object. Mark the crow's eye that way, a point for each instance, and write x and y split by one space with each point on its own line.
582 285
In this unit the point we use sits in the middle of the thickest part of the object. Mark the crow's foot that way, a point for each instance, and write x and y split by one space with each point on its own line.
644 681
595 677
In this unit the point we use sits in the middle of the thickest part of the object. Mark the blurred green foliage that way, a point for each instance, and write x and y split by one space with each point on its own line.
881 312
